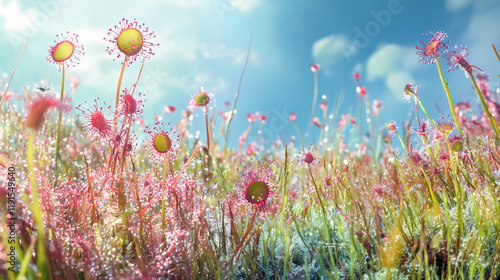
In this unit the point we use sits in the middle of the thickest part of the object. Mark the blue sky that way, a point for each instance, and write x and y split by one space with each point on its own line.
204 43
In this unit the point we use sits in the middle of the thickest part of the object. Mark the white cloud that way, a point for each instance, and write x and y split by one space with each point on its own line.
481 33
457 5
330 50
14 18
245 5
396 82
394 64
391 58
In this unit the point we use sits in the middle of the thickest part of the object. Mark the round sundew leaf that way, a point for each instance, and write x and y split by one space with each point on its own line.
257 192
162 143
130 41
201 99
63 51
457 146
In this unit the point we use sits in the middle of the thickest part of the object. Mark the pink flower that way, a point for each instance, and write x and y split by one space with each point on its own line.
356 76
444 156
457 58
415 156
130 106
428 51
308 156
353 121
361 91
323 106
421 129
251 117
94 118
292 117
391 126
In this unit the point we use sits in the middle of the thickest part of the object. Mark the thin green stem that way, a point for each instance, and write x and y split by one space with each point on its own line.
58 139
485 107
42 264
226 137
120 81
208 130
445 85
402 143
11 76
250 226
163 188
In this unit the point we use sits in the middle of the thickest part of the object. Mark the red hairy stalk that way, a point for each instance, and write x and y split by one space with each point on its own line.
90 189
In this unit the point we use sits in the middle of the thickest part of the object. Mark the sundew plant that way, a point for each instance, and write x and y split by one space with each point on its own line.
104 193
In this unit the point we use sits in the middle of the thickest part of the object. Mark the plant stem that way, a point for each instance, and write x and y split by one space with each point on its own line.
494 124
496 53
445 85
12 75
317 193
42 264
250 226
120 81
208 135
59 123
163 222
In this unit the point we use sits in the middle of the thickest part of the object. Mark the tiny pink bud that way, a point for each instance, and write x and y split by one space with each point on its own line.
323 106
316 122
251 117
314 67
